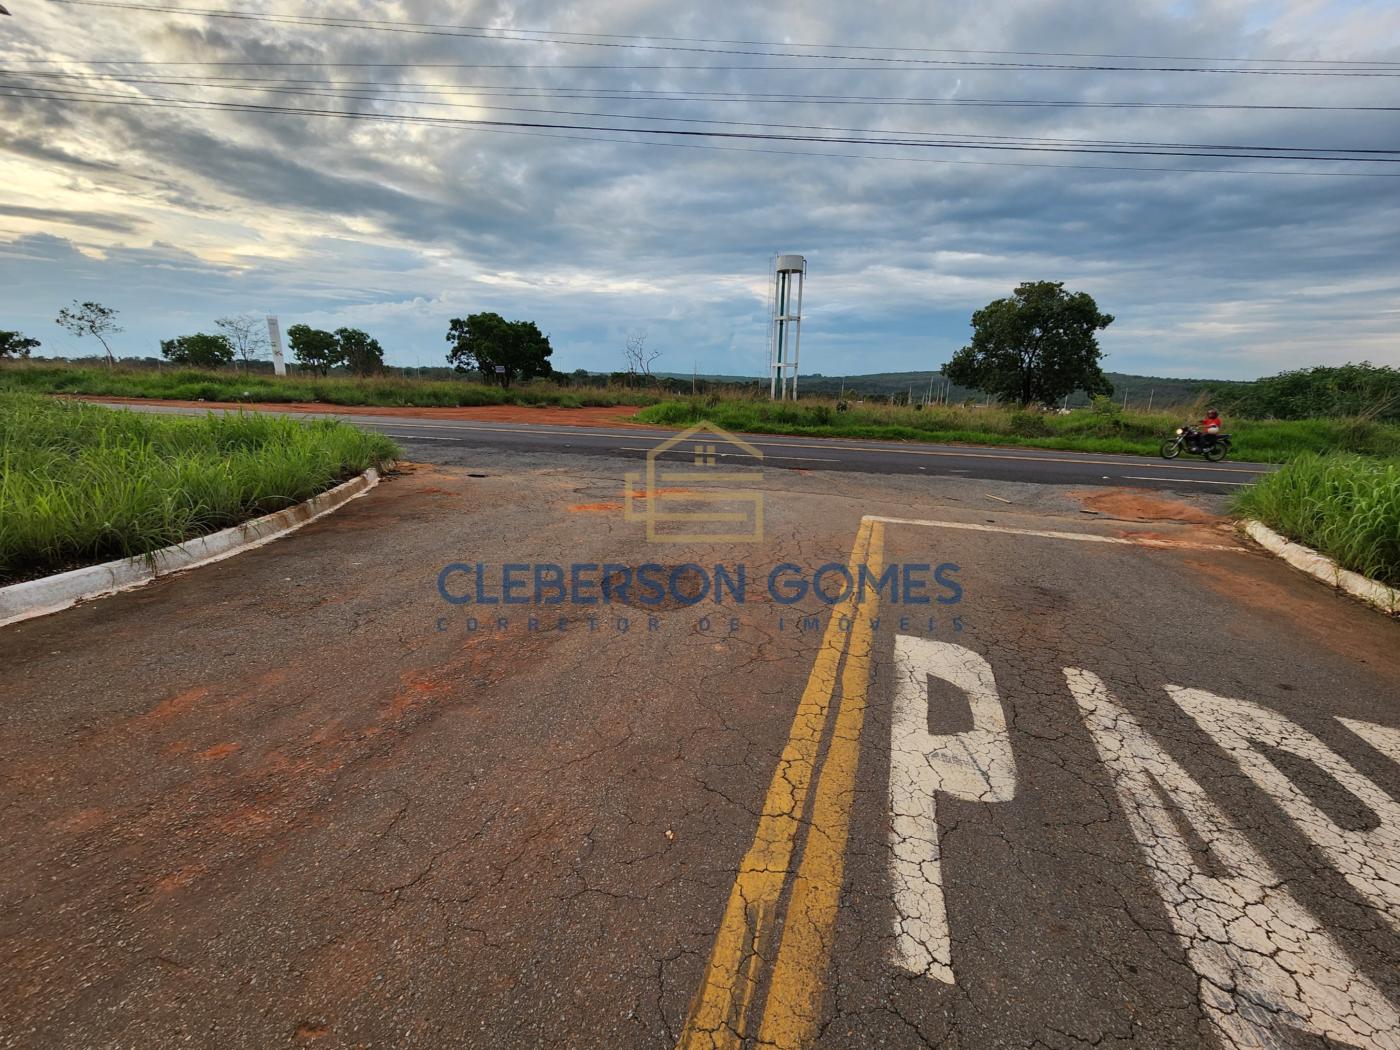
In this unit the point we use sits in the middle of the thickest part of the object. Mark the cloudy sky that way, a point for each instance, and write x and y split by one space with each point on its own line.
1214 266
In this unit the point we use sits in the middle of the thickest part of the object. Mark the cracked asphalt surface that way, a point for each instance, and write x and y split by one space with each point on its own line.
293 799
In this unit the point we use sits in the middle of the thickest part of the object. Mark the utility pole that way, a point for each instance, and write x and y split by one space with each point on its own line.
928 399
694 373
1150 395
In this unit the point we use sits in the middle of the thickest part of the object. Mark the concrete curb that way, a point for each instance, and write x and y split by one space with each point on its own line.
1321 567
24 601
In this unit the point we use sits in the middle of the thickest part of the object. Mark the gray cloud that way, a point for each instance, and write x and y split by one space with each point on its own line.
92 220
192 214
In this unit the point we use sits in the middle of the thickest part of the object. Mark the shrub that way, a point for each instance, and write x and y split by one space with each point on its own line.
1025 423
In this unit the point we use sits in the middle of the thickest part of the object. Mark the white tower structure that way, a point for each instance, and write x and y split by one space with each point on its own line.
274 336
785 339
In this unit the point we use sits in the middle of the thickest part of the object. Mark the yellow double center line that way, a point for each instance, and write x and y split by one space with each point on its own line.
719 1013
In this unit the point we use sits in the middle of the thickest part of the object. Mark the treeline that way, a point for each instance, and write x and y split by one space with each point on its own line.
1366 390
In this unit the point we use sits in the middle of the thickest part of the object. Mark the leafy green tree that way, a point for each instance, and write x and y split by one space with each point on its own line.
1034 347
360 352
13 344
483 342
200 350
92 319
314 348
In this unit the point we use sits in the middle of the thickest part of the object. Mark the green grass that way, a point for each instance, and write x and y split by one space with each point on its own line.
81 484
188 384
1347 507
1268 441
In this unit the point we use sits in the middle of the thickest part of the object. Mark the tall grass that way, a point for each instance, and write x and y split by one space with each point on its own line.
1085 430
188 384
81 484
1345 506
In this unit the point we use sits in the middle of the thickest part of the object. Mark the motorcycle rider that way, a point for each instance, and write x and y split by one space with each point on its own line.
1210 427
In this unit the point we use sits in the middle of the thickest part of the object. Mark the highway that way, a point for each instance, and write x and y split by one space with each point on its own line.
1045 466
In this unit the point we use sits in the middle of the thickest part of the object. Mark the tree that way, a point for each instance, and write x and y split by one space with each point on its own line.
1035 347
361 352
639 358
314 348
200 350
13 344
92 319
484 342
247 333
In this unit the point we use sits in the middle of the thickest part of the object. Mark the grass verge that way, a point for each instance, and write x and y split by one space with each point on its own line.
1140 433
1347 507
187 384
81 484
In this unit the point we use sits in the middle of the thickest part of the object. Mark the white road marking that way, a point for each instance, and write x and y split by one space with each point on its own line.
976 765
1084 537
1383 738
1265 962
1189 481
1369 860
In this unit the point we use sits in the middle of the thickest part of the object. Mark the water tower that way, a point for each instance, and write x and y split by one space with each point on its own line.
785 339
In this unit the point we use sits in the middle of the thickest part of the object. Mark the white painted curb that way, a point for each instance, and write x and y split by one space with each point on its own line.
24 601
1324 568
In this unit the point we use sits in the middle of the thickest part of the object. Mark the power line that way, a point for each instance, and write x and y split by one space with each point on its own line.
945 135
919 50
643 94
433 29
458 122
875 47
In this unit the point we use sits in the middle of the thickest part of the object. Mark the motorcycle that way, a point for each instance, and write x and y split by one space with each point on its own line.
1197 442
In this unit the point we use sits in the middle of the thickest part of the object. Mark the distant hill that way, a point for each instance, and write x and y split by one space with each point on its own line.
1140 390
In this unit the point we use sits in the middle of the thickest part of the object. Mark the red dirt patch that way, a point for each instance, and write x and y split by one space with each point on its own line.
179 879
637 494
220 751
597 416
83 820
1142 505
175 705
1309 608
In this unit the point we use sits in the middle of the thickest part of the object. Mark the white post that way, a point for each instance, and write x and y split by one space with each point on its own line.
274 335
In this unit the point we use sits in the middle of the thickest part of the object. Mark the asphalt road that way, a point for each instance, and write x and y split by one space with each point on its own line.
1187 474
1135 787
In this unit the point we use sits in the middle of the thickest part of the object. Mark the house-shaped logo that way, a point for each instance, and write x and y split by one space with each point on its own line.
693 489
